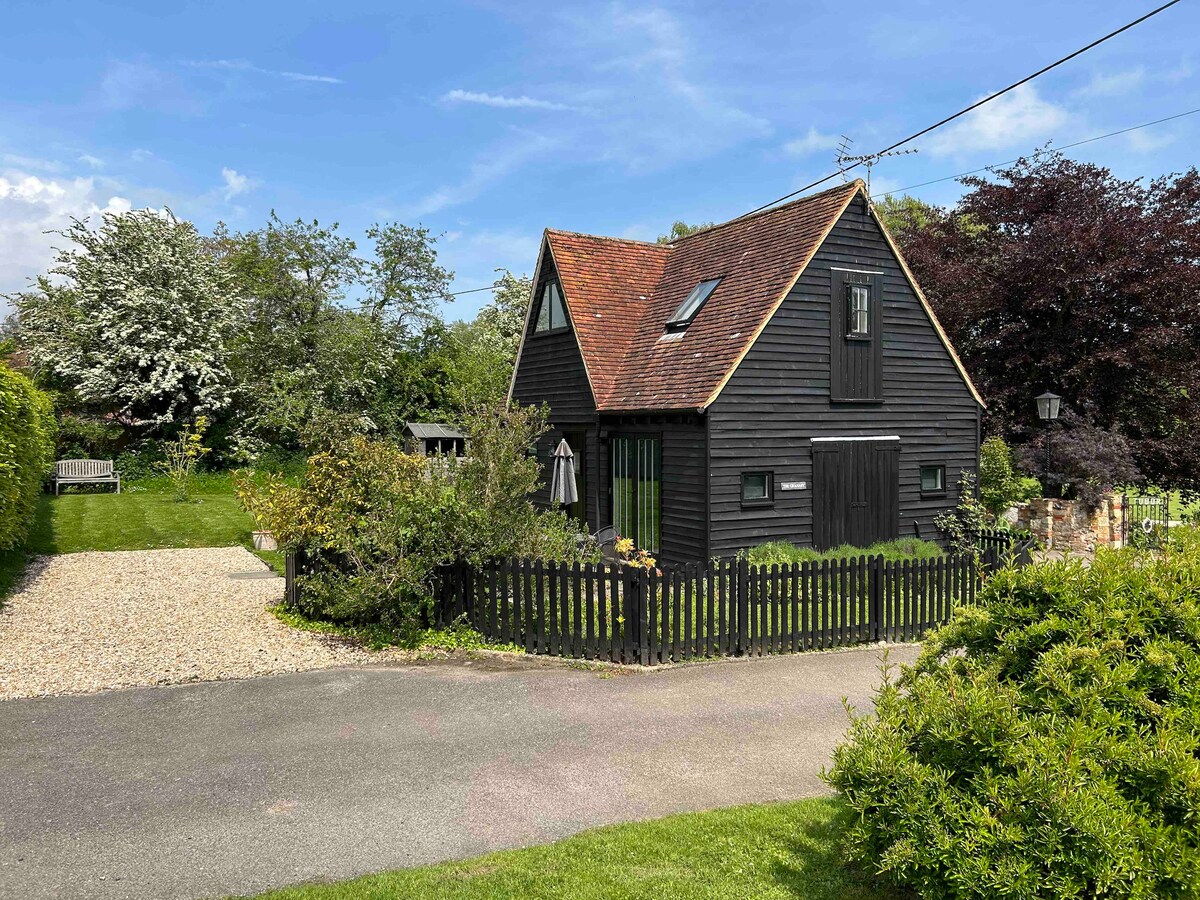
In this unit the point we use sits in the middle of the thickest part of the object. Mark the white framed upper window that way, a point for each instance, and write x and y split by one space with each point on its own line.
858 310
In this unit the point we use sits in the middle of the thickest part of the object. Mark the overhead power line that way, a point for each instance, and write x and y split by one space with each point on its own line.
1099 137
361 306
973 106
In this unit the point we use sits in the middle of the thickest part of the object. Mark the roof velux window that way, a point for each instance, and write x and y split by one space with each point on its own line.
689 307
551 312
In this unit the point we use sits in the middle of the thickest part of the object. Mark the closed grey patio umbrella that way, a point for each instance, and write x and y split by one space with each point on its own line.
562 477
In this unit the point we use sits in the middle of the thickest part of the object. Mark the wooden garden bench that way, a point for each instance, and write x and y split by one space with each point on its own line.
85 471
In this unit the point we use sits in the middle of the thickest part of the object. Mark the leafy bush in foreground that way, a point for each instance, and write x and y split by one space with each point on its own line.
26 451
1046 743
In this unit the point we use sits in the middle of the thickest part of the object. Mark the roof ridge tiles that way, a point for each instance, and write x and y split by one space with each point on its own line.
746 217
605 237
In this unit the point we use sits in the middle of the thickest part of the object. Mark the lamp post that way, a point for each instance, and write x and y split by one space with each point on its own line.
1048 405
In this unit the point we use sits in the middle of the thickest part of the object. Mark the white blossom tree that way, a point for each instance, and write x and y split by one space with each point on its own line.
135 319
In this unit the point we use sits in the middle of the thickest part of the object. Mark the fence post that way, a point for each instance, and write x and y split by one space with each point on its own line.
876 613
636 645
641 587
289 579
742 592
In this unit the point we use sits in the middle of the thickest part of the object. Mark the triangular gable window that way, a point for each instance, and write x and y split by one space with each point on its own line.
688 309
552 314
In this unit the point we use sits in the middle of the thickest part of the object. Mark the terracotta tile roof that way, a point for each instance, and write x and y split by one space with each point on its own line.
606 283
620 294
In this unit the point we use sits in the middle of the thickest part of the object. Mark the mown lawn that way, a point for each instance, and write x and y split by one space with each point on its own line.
144 516
137 521
776 850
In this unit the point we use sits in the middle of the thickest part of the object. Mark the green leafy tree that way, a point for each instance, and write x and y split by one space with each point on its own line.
1052 273
681 230
404 279
138 322
482 353
1001 485
314 368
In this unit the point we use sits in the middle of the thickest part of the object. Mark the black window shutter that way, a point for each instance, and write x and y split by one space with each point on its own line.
876 379
837 335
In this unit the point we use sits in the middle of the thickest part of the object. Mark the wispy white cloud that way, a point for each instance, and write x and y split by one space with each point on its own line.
236 183
33 163
32 205
1018 117
500 101
139 85
488 168
1113 84
1181 72
1148 141
811 142
655 97
94 162
241 65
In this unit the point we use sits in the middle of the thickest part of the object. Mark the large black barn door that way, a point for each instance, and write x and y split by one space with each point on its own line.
856 492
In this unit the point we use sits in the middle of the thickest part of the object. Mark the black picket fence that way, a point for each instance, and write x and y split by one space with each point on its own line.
724 607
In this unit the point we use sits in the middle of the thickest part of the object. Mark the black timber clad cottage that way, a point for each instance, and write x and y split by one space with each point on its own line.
777 377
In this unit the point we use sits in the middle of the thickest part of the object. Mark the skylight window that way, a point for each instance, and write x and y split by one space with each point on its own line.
688 309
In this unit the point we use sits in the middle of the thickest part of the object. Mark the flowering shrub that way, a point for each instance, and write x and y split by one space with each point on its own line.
1046 743
182 455
26 451
631 555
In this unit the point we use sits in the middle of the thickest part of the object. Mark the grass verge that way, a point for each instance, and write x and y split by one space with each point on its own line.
763 851
380 637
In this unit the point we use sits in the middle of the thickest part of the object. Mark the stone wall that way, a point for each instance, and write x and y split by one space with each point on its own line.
1069 525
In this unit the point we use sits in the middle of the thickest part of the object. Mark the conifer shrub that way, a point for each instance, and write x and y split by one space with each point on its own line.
1046 743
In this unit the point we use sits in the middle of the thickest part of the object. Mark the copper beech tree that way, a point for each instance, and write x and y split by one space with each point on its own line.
1055 274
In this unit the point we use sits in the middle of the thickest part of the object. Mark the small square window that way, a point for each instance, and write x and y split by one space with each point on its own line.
757 487
858 310
933 479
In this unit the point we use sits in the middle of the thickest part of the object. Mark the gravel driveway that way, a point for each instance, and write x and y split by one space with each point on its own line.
86 622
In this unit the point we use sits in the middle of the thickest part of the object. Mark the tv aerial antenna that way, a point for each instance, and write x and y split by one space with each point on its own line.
845 159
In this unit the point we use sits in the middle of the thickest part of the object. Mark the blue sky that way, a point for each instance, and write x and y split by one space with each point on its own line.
489 121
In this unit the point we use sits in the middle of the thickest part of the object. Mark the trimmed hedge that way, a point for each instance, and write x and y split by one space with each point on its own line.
1046 743
26 452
